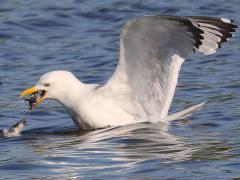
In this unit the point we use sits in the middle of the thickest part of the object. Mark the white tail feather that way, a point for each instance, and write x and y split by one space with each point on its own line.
184 113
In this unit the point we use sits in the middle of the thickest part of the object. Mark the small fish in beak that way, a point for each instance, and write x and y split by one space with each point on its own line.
31 100
35 98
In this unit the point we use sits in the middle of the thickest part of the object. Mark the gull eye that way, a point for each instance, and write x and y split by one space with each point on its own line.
46 85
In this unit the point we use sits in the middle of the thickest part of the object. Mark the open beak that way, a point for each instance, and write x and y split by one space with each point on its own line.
36 96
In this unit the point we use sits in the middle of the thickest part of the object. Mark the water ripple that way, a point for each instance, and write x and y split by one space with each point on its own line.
83 37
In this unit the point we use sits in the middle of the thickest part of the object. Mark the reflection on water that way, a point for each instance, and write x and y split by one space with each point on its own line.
134 149
130 143
82 36
105 149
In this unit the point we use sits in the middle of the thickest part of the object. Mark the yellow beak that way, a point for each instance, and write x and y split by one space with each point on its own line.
30 91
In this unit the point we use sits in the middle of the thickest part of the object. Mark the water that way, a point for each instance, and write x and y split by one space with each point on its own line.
82 36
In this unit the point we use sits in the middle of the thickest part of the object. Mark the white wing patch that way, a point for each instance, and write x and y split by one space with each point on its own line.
226 20
206 49
213 37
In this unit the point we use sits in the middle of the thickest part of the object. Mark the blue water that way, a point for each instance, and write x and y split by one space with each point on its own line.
83 37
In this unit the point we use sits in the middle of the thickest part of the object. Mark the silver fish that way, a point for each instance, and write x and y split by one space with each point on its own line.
14 130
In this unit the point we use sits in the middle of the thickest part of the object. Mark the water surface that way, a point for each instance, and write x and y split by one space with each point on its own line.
83 37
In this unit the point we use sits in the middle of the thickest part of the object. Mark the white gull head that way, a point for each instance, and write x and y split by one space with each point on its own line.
59 85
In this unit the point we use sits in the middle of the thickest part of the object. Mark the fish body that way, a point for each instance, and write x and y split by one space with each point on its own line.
32 100
14 130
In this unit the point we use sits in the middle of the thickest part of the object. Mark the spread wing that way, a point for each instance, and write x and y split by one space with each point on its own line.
152 49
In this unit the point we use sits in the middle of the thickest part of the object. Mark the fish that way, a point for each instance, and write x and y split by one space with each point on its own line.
32 100
15 130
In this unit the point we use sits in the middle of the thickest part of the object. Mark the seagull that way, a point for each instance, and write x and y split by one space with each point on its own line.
152 50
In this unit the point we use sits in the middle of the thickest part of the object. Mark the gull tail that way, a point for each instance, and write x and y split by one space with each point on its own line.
184 113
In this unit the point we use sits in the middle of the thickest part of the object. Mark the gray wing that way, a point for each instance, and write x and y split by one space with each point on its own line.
152 49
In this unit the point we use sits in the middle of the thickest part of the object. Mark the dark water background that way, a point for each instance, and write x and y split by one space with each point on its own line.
82 36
